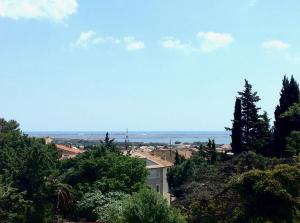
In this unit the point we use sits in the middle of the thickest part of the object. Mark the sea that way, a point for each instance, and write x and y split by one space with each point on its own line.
220 137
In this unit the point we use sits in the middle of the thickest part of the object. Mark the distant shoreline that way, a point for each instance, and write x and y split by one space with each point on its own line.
221 137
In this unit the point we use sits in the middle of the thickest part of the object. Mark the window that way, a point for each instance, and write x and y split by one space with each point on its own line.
157 188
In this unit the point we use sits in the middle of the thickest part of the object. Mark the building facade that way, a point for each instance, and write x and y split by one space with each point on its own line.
158 169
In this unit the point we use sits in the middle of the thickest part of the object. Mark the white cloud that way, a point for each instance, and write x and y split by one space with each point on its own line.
54 10
211 41
172 43
132 44
86 38
91 37
275 45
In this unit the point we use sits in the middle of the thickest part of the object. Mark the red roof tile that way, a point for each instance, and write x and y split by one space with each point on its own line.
68 149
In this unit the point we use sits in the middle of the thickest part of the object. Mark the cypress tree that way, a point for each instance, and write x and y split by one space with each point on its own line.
236 131
288 96
209 144
213 156
213 145
249 117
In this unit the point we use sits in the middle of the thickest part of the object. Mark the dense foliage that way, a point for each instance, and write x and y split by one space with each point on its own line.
250 130
100 171
205 192
99 206
269 196
149 207
26 164
261 183
283 125
37 187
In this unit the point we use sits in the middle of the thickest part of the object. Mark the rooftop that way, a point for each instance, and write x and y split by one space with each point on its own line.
156 162
68 149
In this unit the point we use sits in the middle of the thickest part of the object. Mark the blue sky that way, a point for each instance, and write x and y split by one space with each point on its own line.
142 65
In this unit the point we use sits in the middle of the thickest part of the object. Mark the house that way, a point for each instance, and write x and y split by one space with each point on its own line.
67 152
158 168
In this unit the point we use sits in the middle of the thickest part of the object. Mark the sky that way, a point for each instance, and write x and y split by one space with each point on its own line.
77 65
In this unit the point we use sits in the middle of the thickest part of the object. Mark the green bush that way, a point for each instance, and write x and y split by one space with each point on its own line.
271 195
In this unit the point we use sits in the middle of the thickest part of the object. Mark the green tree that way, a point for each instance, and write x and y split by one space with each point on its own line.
25 164
107 141
96 206
293 144
178 158
106 172
13 205
292 118
282 128
108 144
213 152
147 206
209 144
249 117
236 130
41 161
269 196
264 136
59 194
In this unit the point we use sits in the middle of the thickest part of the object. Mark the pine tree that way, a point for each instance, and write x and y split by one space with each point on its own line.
236 131
282 128
249 117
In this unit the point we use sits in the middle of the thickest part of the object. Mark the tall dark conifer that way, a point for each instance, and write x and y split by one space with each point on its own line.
209 144
236 131
282 128
249 116
213 152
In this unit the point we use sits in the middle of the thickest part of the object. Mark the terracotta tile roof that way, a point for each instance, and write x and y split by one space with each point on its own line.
159 163
68 149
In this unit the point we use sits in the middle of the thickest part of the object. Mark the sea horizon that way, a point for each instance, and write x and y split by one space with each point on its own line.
220 137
